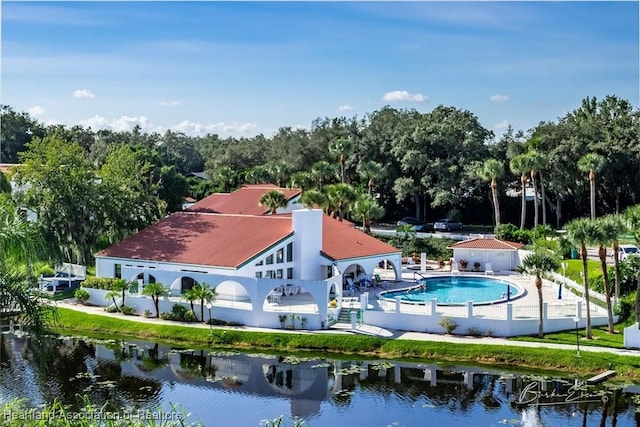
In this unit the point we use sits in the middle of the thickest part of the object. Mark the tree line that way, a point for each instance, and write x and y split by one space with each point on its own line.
433 164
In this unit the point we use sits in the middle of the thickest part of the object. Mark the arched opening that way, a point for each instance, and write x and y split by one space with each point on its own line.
152 278
231 292
187 283
385 271
290 298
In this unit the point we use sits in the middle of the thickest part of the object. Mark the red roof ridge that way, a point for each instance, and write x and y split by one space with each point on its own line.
486 243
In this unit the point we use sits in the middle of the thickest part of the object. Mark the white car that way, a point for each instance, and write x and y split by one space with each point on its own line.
625 251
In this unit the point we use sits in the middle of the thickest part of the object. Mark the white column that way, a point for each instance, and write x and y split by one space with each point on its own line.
354 320
434 306
397 304
470 309
423 262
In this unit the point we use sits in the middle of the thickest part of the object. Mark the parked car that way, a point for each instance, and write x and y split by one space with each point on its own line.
410 220
61 281
625 251
447 225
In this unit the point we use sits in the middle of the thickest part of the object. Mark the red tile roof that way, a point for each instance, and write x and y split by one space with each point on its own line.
245 200
487 243
203 239
222 240
341 240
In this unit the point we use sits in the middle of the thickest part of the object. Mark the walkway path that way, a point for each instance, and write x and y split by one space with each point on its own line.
363 330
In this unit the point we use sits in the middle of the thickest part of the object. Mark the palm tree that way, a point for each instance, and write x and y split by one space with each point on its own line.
632 219
341 147
491 170
111 295
618 226
280 171
591 163
204 293
302 180
536 162
520 164
156 291
341 197
371 171
367 209
273 200
190 296
608 233
20 245
257 175
582 232
540 263
312 198
323 171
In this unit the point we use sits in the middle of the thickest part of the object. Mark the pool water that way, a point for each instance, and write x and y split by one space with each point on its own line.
452 290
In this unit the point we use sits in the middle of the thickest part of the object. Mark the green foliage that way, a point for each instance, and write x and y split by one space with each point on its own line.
82 296
626 308
219 322
105 283
448 324
18 413
512 233
127 310
179 313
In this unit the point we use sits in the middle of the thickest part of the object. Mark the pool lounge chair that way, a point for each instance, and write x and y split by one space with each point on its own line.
351 287
488 269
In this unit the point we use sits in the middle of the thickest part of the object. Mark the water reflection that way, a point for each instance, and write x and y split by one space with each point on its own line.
238 389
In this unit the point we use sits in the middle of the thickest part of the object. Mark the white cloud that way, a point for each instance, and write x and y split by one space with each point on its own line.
169 103
502 125
190 127
123 123
403 95
83 93
345 108
499 98
36 110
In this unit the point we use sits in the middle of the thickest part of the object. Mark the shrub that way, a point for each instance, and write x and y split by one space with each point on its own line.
448 324
333 303
106 283
82 296
179 313
111 309
127 310
44 270
463 264
147 313
626 307
512 233
474 332
220 322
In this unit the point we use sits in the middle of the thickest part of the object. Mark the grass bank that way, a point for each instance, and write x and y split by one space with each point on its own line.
601 337
564 361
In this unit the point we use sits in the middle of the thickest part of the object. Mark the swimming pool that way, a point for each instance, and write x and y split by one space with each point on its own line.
456 290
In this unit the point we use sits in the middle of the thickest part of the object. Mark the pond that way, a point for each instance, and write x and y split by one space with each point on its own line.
243 389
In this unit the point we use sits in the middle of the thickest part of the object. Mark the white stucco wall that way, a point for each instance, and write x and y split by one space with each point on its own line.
501 260
307 243
632 336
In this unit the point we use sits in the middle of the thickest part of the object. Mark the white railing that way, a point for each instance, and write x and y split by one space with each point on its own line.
494 311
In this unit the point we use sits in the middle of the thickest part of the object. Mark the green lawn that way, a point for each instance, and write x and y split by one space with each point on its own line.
574 269
551 360
601 338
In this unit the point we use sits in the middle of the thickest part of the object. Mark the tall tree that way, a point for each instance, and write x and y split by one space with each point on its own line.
16 130
607 234
540 263
63 192
371 171
632 218
205 294
582 232
323 171
615 225
367 209
520 164
314 198
593 164
341 197
341 147
536 163
273 200
491 170
302 180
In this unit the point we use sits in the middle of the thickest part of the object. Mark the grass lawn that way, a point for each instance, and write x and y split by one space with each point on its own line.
601 338
574 269
549 360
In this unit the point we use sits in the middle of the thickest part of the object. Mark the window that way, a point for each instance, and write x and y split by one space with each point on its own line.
259 263
290 252
280 256
152 279
279 274
258 274
289 273
269 274
118 271
270 259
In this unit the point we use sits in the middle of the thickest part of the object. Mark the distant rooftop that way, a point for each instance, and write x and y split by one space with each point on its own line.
244 201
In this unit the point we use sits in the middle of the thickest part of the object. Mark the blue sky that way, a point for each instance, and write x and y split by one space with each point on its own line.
246 68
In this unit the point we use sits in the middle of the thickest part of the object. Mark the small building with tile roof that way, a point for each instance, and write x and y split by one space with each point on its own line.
487 252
